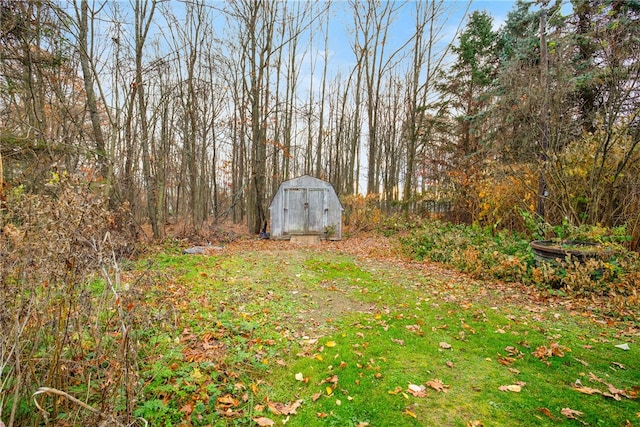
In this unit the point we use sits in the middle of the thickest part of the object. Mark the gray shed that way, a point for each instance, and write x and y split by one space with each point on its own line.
306 206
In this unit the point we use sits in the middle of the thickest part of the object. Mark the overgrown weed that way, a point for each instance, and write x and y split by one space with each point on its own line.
487 253
66 313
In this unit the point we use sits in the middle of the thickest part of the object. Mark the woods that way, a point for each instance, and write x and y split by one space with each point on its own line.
126 126
194 112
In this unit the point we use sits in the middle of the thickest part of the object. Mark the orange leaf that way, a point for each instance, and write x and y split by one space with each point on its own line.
187 409
546 412
437 385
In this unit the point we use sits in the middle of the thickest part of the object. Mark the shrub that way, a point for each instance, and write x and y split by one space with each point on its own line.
59 255
486 253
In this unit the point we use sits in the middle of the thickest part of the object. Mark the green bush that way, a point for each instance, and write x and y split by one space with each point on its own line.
486 253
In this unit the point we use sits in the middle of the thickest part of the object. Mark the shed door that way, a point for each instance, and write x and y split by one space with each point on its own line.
304 211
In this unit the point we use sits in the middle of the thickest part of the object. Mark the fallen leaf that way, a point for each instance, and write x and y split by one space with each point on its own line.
417 390
321 415
587 390
554 349
513 351
397 390
187 409
363 424
437 385
264 421
512 388
449 364
475 423
571 413
299 376
624 346
411 414
333 379
445 345
316 396
330 344
329 390
401 342
546 412
284 409
506 360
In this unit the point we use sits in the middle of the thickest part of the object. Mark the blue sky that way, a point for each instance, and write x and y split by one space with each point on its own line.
342 58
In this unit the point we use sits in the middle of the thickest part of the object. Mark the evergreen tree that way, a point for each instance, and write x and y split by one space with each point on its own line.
468 90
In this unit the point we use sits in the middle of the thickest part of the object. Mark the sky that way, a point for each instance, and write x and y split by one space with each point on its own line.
341 57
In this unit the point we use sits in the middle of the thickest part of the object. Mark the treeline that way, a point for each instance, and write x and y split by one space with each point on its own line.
195 111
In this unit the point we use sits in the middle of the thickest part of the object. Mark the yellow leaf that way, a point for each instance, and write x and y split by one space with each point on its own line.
513 388
411 414
397 390
319 357
196 374
331 344
329 390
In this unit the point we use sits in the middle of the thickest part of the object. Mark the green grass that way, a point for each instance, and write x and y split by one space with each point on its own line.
367 329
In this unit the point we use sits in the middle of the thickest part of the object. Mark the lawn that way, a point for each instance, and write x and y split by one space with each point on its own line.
352 334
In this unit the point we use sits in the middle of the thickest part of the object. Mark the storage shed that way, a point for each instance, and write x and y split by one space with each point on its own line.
306 206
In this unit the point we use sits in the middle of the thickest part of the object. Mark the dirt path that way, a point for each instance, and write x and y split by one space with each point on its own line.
381 253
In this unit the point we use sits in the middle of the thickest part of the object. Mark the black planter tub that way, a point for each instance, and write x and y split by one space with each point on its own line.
550 251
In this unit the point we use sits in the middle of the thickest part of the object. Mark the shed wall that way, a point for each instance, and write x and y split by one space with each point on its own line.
306 206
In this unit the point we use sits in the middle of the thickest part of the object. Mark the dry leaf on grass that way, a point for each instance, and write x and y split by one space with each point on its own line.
547 413
514 388
437 385
264 421
586 390
417 390
284 409
571 413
